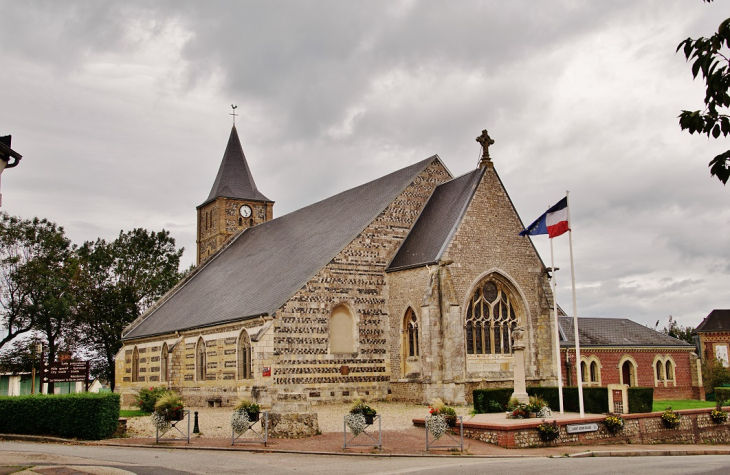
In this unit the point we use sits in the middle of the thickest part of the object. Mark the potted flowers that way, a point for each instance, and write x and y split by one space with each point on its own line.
535 405
670 418
171 406
360 407
548 430
168 408
614 422
717 415
438 407
251 409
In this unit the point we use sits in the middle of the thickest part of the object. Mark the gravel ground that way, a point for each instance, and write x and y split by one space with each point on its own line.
216 422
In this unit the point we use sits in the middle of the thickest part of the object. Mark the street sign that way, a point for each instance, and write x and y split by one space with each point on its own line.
576 428
65 371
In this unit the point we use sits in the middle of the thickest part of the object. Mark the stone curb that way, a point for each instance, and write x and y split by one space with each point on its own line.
649 453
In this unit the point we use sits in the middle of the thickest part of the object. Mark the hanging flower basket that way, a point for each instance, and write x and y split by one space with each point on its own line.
436 425
450 421
175 415
670 418
240 421
718 416
356 422
160 421
548 430
614 423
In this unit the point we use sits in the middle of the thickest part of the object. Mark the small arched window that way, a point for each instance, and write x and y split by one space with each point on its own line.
627 371
135 365
342 327
244 356
164 362
250 223
669 371
200 360
584 372
659 371
490 320
240 221
594 372
411 332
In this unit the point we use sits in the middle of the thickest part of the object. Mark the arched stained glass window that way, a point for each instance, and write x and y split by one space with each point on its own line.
244 356
411 332
490 320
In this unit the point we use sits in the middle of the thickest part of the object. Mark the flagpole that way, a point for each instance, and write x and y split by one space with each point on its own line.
557 329
575 314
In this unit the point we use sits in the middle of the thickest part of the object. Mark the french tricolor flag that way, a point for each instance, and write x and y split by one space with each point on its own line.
553 223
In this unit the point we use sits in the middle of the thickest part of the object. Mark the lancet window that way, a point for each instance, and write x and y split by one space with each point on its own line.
490 320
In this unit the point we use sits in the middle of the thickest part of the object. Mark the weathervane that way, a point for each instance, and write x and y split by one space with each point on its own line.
234 114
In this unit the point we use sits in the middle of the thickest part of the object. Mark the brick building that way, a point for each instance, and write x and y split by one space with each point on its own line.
407 287
620 351
712 336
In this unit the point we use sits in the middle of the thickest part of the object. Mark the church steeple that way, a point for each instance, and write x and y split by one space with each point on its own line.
234 202
234 179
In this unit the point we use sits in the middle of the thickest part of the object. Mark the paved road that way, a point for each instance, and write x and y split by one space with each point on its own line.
44 458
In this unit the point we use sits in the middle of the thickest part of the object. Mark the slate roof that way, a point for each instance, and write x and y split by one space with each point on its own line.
234 178
438 222
717 320
265 265
613 332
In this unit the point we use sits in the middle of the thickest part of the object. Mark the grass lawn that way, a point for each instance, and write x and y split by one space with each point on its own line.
661 406
136 413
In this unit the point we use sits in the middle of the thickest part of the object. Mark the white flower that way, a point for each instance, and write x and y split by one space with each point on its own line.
160 421
436 425
356 423
240 421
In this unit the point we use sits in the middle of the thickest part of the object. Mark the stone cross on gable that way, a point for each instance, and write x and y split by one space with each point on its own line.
485 140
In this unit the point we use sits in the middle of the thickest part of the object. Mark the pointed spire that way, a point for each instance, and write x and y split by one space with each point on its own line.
234 179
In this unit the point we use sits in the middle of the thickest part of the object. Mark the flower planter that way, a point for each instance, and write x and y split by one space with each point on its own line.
533 415
253 416
548 436
450 421
175 416
369 418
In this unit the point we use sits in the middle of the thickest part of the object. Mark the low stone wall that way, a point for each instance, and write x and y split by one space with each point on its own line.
696 427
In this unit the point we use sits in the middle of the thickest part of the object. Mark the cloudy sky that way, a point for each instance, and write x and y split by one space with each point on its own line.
120 110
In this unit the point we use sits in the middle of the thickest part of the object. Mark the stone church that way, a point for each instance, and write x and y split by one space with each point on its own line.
405 288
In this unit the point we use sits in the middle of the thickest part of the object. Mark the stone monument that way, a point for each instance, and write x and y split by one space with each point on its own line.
519 366
291 417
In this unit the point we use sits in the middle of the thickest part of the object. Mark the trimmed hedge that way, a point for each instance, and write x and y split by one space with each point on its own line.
88 416
641 400
722 395
483 398
595 400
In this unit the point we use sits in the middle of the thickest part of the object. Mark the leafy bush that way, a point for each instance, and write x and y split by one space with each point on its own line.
248 406
722 395
148 397
491 400
640 400
87 416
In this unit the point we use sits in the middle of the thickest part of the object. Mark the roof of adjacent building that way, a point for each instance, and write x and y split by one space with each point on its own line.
438 222
717 320
613 332
234 178
262 267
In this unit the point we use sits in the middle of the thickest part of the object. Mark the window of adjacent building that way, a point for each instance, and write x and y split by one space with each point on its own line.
200 360
584 371
135 365
490 320
411 332
594 372
164 361
659 367
342 326
669 370
721 354
244 356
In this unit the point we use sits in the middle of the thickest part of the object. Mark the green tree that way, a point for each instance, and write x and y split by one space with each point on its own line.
710 57
677 331
37 278
120 280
